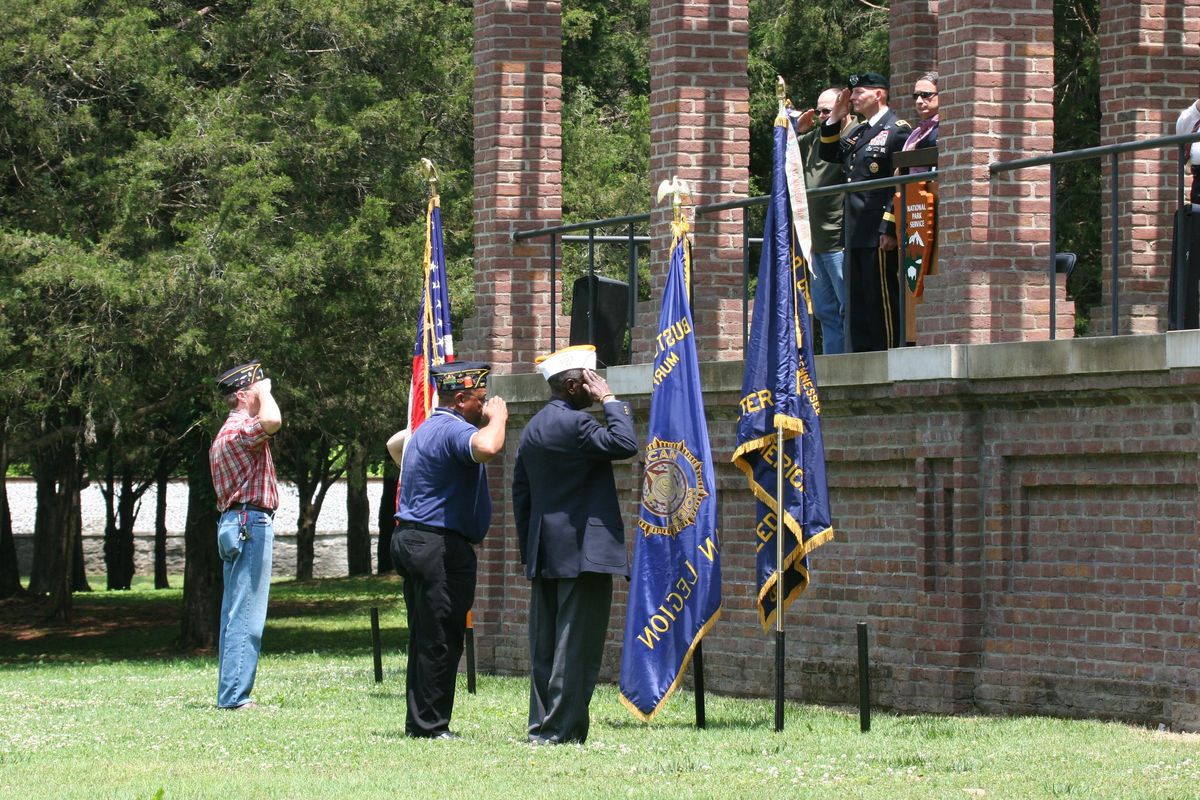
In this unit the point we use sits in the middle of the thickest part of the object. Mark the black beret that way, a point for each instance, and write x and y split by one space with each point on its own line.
868 80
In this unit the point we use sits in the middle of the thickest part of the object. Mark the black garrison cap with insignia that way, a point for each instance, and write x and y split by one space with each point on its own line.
868 80
239 377
460 375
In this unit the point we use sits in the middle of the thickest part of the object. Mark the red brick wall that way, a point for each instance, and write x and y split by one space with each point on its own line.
518 178
518 186
1150 60
700 132
914 50
996 58
1016 545
1019 539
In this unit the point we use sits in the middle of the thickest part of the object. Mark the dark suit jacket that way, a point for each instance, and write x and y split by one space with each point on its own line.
865 154
564 496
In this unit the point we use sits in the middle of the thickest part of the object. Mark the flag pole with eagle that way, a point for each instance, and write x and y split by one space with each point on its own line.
434 344
675 584
435 339
779 445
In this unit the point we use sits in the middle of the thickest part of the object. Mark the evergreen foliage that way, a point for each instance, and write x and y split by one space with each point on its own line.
183 186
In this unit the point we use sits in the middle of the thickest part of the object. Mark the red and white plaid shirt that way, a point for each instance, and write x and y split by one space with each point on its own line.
242 469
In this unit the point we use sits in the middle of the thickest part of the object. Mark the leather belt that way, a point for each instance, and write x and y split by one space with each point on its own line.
251 507
420 526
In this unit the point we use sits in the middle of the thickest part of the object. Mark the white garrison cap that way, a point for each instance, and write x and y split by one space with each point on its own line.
580 356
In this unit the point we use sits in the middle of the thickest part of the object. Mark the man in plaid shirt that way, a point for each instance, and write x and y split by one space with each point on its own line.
247 495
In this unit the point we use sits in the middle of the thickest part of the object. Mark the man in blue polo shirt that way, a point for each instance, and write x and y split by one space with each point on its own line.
444 510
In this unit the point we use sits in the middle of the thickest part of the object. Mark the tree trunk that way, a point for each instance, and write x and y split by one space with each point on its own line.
79 581
10 572
127 511
387 518
56 533
202 571
161 480
44 524
66 545
306 537
358 512
112 542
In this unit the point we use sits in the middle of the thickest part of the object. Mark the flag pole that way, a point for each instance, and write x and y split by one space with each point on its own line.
779 532
429 171
781 96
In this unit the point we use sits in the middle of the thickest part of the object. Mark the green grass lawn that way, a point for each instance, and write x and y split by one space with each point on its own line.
110 710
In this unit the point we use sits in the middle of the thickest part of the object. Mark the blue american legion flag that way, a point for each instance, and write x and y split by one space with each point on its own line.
675 588
780 387
435 340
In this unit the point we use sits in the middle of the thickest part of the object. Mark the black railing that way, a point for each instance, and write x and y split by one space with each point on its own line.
1111 151
633 241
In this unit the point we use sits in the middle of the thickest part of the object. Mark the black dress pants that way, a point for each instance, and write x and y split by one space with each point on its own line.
439 589
873 299
568 622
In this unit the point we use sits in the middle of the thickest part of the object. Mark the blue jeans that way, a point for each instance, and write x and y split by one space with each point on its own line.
247 560
829 300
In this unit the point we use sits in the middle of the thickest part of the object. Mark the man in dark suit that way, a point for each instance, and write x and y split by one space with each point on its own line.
572 538
865 153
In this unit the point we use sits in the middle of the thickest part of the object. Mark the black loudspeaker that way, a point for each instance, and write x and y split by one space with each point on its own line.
604 303
1184 310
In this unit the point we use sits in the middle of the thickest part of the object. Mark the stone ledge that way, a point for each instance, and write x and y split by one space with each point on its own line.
1007 361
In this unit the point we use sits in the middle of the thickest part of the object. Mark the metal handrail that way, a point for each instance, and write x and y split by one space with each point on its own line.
633 241
562 232
1112 151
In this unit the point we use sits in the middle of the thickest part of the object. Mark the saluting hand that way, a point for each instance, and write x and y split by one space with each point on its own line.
804 123
596 386
841 107
494 408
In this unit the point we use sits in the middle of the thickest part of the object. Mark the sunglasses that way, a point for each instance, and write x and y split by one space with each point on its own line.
924 95
824 111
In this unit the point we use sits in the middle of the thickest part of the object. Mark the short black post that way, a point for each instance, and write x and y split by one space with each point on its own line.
698 680
778 680
378 651
470 642
864 681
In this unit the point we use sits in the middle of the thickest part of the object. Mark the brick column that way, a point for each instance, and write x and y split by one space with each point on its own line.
518 179
913 50
996 59
700 131
1149 68
518 186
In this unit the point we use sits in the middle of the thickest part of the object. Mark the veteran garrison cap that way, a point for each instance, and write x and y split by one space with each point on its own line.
868 80
460 375
579 356
239 377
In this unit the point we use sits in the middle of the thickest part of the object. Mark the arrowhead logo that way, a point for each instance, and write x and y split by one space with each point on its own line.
917 240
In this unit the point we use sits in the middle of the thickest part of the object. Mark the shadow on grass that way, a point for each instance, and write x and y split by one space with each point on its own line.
280 638
328 616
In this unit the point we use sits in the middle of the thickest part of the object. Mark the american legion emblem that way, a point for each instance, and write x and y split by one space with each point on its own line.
672 487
